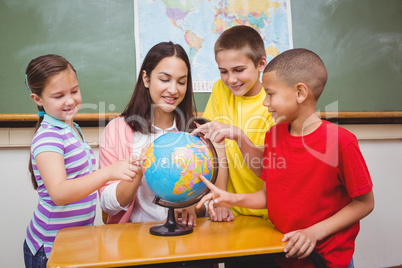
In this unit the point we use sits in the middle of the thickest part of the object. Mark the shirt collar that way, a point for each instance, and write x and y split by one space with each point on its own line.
47 119
169 129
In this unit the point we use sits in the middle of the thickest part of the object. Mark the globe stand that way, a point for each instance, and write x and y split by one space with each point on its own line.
171 227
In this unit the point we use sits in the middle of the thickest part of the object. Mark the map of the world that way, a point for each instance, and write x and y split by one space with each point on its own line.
196 24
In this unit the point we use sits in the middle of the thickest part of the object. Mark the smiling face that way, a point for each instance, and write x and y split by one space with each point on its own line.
239 73
61 97
281 98
167 84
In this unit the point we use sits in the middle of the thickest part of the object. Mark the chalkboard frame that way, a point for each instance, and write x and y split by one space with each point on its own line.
101 120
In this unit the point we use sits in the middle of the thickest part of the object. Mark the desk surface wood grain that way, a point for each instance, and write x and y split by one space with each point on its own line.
131 243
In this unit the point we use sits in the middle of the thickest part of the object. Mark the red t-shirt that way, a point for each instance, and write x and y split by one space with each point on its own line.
310 178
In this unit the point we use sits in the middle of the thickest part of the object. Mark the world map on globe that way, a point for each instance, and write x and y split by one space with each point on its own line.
197 24
174 163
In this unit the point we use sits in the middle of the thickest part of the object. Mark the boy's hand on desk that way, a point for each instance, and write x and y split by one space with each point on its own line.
187 215
222 214
301 243
218 132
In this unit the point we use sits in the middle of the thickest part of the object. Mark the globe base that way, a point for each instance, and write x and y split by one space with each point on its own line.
171 227
162 230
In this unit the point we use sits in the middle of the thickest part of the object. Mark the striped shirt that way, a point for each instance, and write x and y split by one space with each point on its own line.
48 218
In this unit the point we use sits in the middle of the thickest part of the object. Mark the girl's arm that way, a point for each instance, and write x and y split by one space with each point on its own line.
115 144
63 191
302 242
126 190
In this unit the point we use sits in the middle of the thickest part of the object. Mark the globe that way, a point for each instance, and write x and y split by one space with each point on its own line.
174 163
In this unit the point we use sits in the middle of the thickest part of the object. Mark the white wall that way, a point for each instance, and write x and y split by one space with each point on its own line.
18 201
379 243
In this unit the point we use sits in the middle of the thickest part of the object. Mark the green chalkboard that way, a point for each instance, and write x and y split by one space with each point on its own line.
359 41
96 36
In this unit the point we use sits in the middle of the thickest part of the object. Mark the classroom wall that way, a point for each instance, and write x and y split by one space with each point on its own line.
379 243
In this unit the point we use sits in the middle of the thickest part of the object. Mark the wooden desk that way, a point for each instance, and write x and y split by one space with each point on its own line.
117 245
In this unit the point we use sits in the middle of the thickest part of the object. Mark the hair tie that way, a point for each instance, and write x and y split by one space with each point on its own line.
26 82
41 113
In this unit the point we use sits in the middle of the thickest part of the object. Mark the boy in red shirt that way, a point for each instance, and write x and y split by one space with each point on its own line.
317 183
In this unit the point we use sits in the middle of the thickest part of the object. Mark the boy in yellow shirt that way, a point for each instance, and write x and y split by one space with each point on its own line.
236 100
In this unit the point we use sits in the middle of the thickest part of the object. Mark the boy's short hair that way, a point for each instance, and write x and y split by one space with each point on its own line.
300 65
243 38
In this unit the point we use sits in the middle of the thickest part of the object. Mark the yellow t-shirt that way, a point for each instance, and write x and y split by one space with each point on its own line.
249 114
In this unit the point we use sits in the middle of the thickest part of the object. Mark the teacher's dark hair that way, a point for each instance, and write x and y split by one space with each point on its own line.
138 113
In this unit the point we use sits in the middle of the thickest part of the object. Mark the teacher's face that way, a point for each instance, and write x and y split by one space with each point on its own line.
167 83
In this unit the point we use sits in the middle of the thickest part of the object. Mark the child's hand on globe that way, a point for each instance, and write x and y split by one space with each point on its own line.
217 132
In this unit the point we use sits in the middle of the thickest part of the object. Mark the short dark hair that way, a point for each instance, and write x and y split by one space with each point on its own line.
137 113
300 65
243 38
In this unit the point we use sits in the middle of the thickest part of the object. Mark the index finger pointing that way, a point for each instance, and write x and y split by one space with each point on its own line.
209 184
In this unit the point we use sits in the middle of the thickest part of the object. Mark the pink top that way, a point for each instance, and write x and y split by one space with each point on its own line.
116 144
